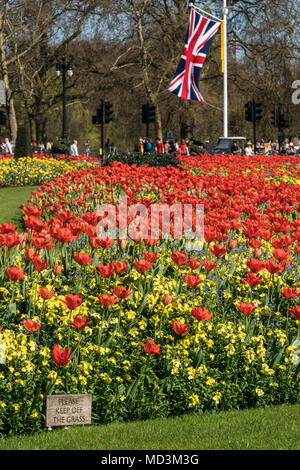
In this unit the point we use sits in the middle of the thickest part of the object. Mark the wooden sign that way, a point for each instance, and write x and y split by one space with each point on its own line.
65 410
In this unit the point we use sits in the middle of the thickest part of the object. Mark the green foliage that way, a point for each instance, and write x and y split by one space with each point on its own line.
152 159
61 147
23 144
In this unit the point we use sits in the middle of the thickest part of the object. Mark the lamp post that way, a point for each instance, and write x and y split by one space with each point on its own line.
63 69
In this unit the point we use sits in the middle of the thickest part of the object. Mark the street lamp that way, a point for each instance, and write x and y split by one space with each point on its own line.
63 69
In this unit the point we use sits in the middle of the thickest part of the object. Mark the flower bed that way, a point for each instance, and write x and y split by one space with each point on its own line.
148 327
35 170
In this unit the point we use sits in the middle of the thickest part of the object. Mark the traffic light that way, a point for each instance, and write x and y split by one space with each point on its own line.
257 110
145 113
108 112
249 111
148 113
151 112
274 117
2 118
283 122
98 118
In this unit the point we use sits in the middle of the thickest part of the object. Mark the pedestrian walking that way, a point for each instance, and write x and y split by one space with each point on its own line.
87 148
74 148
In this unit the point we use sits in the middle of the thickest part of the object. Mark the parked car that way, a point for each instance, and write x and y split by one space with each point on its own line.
224 144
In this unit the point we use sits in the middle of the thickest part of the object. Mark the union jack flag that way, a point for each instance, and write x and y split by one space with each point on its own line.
199 36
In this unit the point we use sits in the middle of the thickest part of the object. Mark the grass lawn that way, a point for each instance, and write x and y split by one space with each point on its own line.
273 428
10 199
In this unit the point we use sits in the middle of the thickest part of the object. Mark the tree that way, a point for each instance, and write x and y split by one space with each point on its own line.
23 143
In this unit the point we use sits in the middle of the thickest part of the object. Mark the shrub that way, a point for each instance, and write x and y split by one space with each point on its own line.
60 147
23 144
152 159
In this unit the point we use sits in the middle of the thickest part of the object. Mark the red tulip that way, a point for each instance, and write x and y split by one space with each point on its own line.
11 239
201 313
232 243
39 263
167 299
57 269
150 256
150 347
209 265
273 267
61 356
194 263
46 293
72 301
80 322
105 270
192 281
281 255
32 210
121 292
63 234
119 266
107 300
295 312
255 265
105 242
179 258
247 309
180 328
14 273
289 292
218 250
257 252
142 265
252 280
31 325
82 258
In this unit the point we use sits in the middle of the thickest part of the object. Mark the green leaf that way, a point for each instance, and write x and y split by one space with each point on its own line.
278 358
142 305
132 389
198 358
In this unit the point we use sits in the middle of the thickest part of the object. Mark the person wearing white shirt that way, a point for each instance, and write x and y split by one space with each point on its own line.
7 146
248 150
74 148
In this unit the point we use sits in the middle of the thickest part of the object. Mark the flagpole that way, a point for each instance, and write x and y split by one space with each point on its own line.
225 105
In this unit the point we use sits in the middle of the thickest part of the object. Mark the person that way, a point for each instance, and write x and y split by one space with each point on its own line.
248 150
183 148
187 142
49 146
107 146
208 146
141 145
74 148
167 147
112 148
87 148
148 145
235 149
159 148
290 150
176 147
34 147
7 146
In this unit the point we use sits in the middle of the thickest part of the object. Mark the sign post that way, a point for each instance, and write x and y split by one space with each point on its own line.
67 410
